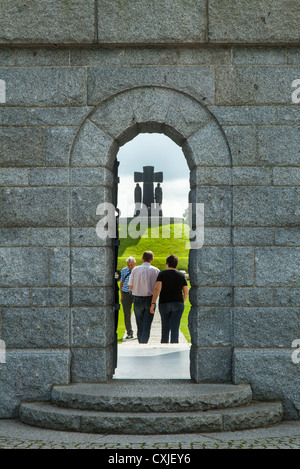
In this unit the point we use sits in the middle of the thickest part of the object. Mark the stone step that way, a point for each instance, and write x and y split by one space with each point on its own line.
47 415
151 396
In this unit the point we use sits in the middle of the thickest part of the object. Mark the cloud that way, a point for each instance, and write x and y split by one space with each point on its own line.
153 150
161 152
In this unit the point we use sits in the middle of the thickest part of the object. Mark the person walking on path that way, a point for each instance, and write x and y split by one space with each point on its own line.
141 282
171 286
126 296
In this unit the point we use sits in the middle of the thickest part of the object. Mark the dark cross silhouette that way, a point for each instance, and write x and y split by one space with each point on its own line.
148 177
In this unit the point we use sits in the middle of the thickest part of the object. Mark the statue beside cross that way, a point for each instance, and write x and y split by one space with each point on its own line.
151 198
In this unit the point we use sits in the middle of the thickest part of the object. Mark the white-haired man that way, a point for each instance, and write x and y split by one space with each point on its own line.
126 296
142 282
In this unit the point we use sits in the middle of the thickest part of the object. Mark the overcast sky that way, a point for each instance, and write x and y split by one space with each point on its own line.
161 152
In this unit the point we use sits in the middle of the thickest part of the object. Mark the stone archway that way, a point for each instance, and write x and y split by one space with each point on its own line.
111 124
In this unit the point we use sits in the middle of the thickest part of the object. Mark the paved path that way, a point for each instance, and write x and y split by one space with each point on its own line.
15 435
153 360
155 334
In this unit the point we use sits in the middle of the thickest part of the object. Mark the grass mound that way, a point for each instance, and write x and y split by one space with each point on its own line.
162 241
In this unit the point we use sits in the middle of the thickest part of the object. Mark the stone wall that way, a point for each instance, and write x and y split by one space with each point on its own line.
236 65
149 22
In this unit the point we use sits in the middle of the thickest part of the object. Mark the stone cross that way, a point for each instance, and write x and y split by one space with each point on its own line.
148 177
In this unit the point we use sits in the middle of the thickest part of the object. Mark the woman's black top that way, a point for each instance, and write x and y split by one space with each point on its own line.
173 282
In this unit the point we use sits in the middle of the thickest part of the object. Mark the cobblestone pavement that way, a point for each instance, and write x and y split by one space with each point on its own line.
15 435
268 443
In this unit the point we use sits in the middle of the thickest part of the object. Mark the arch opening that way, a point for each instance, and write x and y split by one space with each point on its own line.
163 234
180 117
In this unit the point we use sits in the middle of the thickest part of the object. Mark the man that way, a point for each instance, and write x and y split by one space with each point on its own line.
126 296
141 282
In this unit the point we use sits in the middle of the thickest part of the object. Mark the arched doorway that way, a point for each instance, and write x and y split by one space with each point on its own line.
110 125
152 157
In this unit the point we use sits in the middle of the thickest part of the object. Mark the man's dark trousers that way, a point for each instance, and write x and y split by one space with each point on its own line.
144 318
127 300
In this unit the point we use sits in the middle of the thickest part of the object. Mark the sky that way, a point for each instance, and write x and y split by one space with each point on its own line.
159 151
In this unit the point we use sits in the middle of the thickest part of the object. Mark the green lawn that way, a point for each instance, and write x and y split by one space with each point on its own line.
184 320
121 324
162 241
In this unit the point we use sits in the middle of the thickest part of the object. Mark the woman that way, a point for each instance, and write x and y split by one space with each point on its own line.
170 285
